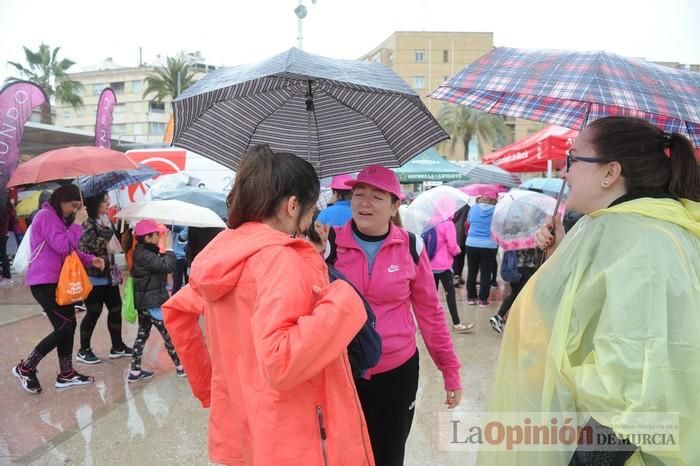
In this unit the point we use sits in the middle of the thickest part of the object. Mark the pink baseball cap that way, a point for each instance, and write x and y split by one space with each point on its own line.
380 178
338 182
146 227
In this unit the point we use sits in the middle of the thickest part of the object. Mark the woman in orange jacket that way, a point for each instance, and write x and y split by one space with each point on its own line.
275 369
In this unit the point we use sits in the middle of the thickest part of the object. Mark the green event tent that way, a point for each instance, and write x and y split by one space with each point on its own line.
428 166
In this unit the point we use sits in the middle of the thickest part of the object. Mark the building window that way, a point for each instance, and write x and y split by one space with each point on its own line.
97 89
419 56
419 82
119 129
117 86
119 108
156 107
445 56
136 86
138 129
66 114
156 127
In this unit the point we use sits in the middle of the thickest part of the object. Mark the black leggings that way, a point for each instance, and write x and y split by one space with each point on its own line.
448 283
102 295
515 288
180 277
458 263
388 402
145 324
62 319
480 261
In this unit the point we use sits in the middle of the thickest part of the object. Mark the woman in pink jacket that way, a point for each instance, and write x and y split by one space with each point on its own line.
378 258
441 263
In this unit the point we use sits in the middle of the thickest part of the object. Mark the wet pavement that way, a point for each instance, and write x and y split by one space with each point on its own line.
159 422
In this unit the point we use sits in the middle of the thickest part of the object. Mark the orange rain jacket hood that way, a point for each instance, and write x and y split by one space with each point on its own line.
274 370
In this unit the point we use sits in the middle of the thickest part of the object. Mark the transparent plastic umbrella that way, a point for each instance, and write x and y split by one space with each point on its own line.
432 207
518 216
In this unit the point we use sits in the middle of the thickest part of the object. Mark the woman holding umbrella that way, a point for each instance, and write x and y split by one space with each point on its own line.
607 328
56 231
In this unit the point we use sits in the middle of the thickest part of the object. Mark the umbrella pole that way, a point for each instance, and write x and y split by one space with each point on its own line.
309 111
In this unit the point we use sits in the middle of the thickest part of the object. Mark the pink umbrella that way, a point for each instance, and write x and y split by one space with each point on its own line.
479 189
70 162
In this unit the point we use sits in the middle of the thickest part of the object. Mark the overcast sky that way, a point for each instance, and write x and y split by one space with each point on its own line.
231 32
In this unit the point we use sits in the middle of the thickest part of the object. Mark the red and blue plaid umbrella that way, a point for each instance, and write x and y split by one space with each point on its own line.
571 89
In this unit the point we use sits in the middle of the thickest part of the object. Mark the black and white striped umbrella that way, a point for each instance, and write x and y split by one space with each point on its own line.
341 115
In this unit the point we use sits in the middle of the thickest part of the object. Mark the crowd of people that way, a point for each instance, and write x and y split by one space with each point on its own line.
612 296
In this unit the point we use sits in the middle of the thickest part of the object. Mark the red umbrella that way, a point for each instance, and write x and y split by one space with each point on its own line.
70 162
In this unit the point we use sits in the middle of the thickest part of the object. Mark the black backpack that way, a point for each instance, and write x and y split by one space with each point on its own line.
415 247
365 349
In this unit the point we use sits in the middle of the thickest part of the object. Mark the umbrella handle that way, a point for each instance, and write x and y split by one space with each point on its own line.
556 209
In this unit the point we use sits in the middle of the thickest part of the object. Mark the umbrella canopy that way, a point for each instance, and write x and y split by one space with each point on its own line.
70 162
479 189
517 218
569 89
432 207
341 115
172 213
489 174
532 153
213 200
549 186
428 166
93 185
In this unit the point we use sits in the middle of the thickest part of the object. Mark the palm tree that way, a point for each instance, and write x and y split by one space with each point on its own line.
45 70
163 82
463 123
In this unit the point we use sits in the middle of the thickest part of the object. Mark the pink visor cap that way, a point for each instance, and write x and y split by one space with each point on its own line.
146 227
338 182
380 178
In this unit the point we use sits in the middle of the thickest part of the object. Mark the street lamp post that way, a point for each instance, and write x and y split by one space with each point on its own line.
301 13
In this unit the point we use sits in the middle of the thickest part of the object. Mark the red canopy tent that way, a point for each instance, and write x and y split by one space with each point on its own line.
532 153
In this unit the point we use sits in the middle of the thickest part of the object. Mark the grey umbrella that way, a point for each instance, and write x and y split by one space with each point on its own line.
341 115
213 200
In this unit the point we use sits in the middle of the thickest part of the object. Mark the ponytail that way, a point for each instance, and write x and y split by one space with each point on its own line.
685 170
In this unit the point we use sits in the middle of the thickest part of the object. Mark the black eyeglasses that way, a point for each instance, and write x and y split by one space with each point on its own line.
571 158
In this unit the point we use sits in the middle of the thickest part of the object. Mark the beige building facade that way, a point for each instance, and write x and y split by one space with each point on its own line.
135 118
426 59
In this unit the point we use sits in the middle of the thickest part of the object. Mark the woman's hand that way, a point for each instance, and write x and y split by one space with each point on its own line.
550 235
98 263
453 398
81 215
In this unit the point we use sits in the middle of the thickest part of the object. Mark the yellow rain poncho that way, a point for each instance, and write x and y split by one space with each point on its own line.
609 324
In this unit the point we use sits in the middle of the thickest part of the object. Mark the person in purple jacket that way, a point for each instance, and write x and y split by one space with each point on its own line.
55 233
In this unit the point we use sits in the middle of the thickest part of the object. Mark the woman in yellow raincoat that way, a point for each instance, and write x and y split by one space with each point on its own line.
608 330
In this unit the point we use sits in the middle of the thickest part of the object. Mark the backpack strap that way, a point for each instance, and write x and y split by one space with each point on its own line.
415 245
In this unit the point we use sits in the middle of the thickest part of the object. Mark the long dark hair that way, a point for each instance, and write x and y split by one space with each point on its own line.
264 179
92 204
651 159
67 193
